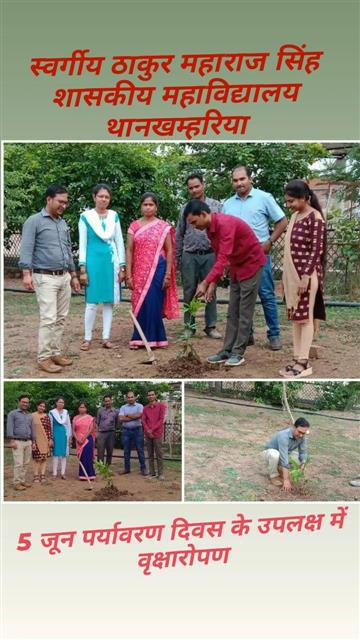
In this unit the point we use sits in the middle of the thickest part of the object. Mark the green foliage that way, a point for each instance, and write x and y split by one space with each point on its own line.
74 392
297 473
188 350
271 392
132 169
105 472
347 239
338 395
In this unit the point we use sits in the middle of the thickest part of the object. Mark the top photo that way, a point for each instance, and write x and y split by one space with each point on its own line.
202 260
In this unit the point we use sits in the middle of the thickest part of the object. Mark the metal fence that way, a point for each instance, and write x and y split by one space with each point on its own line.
341 274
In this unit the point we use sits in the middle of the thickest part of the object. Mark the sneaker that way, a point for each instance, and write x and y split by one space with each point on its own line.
144 472
275 343
19 487
234 361
213 333
218 358
161 477
152 476
124 473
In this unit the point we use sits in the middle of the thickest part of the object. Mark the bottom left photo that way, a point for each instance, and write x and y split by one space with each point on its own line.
92 441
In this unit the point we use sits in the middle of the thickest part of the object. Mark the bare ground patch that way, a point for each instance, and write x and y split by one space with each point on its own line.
339 338
132 487
222 454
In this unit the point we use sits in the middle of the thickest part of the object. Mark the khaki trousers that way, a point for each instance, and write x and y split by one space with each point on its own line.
271 459
53 295
21 457
154 450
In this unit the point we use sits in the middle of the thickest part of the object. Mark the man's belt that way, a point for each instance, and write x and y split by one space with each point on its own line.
51 272
202 252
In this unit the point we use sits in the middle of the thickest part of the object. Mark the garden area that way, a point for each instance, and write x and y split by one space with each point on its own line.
110 484
133 168
225 434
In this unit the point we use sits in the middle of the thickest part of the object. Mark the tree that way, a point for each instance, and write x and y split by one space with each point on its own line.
131 169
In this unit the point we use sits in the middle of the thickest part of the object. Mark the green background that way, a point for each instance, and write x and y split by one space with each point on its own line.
328 104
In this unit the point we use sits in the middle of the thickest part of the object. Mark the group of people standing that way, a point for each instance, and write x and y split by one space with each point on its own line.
210 238
40 435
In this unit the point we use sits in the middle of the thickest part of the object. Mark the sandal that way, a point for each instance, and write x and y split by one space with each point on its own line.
133 347
42 478
63 477
86 345
299 373
287 368
36 478
107 344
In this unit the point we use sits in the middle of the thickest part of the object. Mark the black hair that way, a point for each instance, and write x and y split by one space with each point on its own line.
40 402
130 391
53 190
108 395
24 395
99 186
246 168
300 189
195 207
151 391
150 194
59 398
84 403
195 175
302 422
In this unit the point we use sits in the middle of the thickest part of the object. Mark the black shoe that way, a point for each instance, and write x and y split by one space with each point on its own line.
275 343
124 473
144 472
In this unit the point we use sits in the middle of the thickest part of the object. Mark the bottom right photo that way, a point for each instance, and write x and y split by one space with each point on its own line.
272 441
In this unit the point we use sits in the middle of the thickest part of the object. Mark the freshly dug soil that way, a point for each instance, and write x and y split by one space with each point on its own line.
184 367
110 494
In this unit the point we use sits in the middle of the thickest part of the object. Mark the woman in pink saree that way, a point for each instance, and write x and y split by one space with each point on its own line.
84 431
150 273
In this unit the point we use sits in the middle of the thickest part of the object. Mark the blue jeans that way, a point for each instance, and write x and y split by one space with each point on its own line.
268 300
130 436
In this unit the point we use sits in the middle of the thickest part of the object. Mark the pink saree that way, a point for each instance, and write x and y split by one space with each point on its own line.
148 300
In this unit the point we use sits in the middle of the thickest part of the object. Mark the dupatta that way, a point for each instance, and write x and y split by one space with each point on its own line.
40 435
148 246
290 277
81 427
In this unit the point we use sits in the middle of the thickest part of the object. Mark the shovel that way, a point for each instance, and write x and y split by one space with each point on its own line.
152 359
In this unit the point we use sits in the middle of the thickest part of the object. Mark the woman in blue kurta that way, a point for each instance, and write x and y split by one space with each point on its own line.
102 262
60 435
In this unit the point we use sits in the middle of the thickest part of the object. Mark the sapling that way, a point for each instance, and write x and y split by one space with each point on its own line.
188 350
104 470
297 470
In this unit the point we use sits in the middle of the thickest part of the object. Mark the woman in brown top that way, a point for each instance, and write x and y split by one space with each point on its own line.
303 272
43 441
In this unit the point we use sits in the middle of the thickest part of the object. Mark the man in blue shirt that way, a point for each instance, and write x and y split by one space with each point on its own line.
132 432
281 444
258 208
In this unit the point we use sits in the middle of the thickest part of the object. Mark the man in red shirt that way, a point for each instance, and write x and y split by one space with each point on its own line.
237 247
152 419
